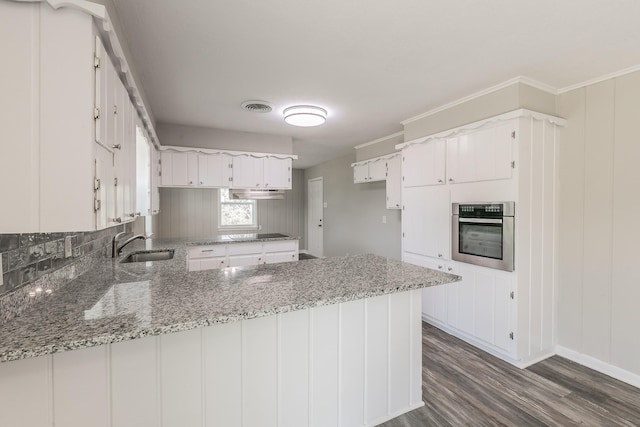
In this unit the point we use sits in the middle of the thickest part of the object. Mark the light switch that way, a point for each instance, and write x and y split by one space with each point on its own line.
325 205
384 219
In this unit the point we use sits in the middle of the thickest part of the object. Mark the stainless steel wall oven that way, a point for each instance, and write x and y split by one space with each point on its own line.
483 234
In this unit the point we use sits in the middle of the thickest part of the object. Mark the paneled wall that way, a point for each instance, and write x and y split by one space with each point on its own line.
351 364
598 274
193 212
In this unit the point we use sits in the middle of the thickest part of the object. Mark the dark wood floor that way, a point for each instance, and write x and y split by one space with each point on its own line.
464 386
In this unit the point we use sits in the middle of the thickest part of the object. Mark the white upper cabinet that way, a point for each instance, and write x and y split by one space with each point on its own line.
374 170
482 155
277 173
214 170
424 164
248 171
179 169
394 182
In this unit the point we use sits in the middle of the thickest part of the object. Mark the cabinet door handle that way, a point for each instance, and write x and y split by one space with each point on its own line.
439 267
439 255
449 269
117 146
450 179
207 250
440 181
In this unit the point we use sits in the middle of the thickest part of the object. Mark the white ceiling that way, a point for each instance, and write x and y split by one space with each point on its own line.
370 63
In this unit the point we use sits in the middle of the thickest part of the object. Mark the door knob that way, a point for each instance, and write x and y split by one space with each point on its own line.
319 225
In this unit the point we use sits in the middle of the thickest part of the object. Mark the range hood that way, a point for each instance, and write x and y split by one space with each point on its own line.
255 194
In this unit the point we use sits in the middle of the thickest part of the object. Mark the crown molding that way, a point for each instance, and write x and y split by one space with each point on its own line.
600 79
520 79
375 141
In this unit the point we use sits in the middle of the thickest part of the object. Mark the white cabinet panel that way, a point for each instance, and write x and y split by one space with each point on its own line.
214 170
212 263
206 251
426 221
377 351
244 248
484 307
272 258
259 366
482 155
324 366
80 387
377 170
24 392
280 246
182 376
245 260
248 171
277 173
360 173
394 183
352 366
424 164
399 340
223 374
293 369
134 383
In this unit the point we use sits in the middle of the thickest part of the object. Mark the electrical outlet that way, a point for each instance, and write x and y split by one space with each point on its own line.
67 246
325 205
384 219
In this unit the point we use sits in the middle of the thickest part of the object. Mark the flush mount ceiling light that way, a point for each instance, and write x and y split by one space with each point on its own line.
305 115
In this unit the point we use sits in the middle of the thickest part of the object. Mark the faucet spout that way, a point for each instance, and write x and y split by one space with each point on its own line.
118 247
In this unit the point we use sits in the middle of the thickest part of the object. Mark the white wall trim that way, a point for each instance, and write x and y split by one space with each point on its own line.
375 141
229 152
394 415
519 113
600 366
595 80
386 156
520 79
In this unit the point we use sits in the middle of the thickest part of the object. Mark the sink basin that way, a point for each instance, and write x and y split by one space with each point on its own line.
146 256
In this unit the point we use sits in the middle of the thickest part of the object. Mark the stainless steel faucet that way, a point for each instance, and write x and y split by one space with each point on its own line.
116 247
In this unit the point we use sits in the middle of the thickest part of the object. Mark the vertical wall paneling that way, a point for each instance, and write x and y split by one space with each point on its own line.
134 385
259 377
182 376
25 393
625 279
399 341
223 375
598 219
571 219
547 256
81 388
537 209
324 370
484 306
293 369
352 376
524 206
377 358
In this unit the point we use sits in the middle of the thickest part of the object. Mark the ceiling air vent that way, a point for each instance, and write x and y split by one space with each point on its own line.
256 106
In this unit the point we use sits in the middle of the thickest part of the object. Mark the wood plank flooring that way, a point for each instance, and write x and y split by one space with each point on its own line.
464 386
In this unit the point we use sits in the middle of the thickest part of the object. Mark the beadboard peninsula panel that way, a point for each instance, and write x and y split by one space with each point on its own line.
350 364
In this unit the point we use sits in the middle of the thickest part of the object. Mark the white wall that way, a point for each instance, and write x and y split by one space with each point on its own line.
353 216
202 137
193 212
598 274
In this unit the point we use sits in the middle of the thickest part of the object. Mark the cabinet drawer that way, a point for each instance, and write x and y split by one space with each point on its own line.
281 246
245 260
206 251
272 258
245 248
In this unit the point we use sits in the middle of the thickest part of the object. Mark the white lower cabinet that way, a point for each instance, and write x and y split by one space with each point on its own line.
211 257
425 221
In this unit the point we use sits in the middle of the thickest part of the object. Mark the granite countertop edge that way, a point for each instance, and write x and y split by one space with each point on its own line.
62 334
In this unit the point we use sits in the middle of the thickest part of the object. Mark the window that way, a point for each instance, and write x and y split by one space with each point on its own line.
237 214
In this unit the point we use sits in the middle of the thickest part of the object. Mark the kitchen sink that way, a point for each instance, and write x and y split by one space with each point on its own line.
146 256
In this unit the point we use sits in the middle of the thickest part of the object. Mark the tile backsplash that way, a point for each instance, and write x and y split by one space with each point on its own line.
28 257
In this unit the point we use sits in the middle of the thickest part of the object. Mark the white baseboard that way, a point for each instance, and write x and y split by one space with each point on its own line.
394 415
600 366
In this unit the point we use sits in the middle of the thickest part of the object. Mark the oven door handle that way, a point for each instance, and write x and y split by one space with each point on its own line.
481 220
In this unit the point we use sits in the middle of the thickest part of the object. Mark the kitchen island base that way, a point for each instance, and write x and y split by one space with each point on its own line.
356 363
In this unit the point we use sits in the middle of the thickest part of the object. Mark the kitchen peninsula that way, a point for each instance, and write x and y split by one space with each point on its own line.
328 341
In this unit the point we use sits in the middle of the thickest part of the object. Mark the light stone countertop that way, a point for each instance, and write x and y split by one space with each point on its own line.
116 302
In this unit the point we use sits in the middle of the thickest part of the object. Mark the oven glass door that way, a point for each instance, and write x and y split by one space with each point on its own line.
481 237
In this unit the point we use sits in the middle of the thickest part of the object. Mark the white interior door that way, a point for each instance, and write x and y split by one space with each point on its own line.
315 225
